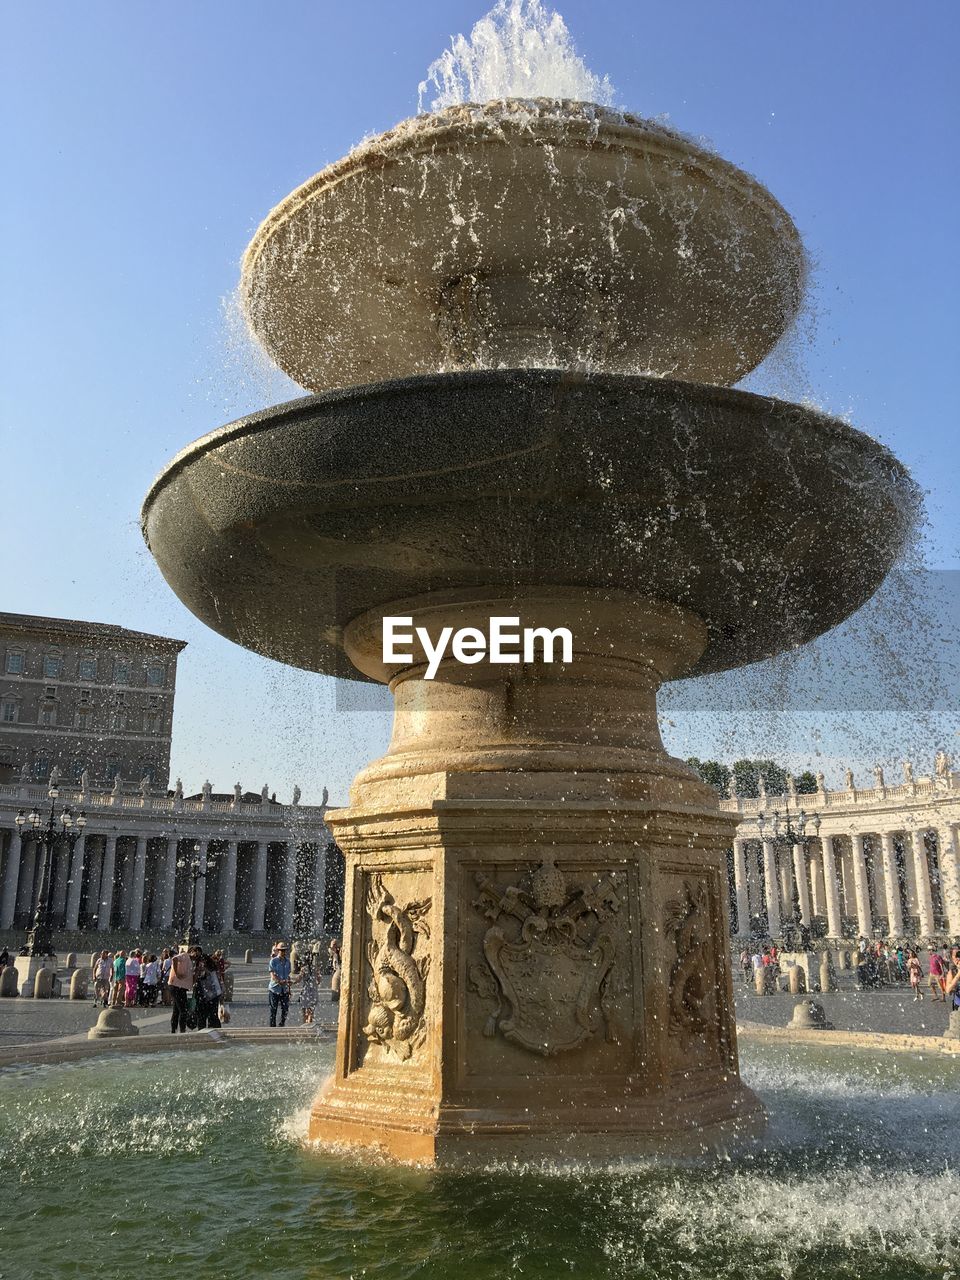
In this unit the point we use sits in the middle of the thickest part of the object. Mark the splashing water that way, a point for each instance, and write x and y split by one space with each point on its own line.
520 49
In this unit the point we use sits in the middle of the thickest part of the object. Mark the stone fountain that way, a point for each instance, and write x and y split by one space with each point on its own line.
521 321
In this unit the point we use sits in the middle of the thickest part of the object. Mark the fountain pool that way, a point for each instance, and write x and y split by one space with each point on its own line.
182 1164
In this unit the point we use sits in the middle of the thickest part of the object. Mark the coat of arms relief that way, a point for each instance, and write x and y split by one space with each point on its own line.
549 959
399 961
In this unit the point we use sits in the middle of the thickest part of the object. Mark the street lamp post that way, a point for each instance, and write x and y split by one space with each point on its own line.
198 864
39 941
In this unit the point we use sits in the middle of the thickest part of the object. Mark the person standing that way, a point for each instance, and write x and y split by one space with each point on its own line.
119 977
915 974
166 957
937 968
180 984
150 979
309 993
278 991
746 965
133 968
102 975
208 992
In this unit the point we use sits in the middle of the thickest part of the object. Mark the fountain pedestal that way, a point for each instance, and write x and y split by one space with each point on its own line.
534 960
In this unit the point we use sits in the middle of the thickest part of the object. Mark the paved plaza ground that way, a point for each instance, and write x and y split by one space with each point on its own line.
30 1021
891 1010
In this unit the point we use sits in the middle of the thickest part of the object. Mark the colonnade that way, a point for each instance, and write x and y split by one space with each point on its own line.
902 882
135 880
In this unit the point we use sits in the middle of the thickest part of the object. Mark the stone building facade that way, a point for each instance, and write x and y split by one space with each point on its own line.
873 862
85 697
93 705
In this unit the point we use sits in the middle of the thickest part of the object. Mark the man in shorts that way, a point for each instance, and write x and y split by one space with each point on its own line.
937 971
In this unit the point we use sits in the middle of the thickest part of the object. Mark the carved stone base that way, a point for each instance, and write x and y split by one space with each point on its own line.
535 962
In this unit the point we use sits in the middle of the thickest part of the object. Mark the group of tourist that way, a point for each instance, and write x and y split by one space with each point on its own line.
128 980
283 976
191 982
880 964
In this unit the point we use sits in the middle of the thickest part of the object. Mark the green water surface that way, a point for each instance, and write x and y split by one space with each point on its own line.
194 1165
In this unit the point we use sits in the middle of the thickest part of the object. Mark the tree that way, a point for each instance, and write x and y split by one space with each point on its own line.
713 773
807 783
749 772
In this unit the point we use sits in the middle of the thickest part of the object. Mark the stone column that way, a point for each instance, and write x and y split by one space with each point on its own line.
891 884
860 887
319 885
75 888
200 902
107 884
818 900
922 874
949 857
169 886
832 888
59 875
754 896
11 878
846 877
28 871
770 888
94 858
786 885
259 888
137 882
227 906
740 884
289 889
803 891
910 875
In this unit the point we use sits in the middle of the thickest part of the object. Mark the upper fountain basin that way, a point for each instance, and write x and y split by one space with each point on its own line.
523 233
769 521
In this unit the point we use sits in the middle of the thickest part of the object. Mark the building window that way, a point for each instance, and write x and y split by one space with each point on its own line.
121 699
154 700
50 691
121 672
156 674
48 716
14 663
83 717
118 720
52 663
78 767
87 668
84 697
113 768
151 723
9 711
41 769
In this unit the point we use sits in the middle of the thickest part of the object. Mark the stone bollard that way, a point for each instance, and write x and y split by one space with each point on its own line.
8 981
953 1025
78 985
94 957
843 961
796 983
294 957
248 956
111 1024
71 961
43 984
760 981
808 1015
827 980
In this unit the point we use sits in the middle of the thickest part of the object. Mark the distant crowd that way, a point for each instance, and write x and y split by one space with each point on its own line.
195 985
879 964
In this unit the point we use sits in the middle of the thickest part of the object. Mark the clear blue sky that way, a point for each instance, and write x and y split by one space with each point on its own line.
146 141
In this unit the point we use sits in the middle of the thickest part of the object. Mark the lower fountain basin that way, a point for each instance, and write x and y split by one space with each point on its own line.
769 521
203 1170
